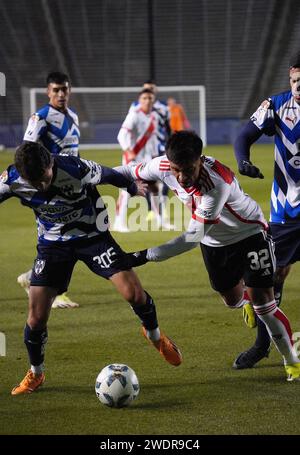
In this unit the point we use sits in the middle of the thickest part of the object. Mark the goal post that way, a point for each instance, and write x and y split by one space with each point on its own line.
101 110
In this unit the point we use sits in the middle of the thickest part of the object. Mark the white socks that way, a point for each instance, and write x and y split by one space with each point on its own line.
279 329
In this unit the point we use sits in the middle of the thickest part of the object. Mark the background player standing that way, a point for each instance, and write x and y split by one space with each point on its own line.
55 126
139 142
277 116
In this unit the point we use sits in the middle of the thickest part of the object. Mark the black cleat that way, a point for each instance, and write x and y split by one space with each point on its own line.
249 358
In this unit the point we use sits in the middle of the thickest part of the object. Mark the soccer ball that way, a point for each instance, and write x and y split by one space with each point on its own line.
117 385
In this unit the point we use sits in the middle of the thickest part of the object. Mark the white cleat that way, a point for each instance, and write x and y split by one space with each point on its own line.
24 281
63 301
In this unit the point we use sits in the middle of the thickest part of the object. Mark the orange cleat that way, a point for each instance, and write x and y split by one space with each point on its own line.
29 384
167 348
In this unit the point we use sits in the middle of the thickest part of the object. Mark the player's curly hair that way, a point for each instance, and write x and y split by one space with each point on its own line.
183 147
32 160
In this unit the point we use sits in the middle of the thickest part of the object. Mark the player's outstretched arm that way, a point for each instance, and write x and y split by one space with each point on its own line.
249 134
179 245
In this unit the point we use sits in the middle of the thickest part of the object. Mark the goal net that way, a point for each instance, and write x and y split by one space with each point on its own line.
101 110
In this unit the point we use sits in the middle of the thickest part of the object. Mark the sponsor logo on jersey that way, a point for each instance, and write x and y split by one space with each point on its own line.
295 162
3 177
203 213
292 120
265 104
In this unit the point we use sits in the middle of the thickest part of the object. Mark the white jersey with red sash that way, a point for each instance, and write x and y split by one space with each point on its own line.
138 134
216 200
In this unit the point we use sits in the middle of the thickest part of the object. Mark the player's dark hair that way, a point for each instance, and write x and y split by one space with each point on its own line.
32 160
184 147
150 82
295 60
56 77
146 90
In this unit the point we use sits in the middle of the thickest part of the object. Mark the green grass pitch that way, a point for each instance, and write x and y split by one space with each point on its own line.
203 396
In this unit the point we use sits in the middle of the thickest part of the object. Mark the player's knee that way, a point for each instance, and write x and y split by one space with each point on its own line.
134 294
36 323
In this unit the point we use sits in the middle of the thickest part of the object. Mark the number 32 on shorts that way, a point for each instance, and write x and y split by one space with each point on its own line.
258 259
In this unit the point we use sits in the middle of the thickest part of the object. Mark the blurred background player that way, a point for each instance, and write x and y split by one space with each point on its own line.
56 127
139 142
277 116
178 117
164 132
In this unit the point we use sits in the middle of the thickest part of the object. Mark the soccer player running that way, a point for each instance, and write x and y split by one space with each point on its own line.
138 140
56 127
72 226
230 228
277 116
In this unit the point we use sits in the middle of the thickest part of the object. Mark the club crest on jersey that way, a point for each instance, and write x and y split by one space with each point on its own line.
39 266
67 190
4 177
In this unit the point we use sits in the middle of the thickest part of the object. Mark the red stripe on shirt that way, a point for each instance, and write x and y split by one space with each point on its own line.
144 139
137 170
265 226
224 171
204 220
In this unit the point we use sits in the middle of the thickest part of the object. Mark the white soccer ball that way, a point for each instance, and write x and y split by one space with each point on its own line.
117 385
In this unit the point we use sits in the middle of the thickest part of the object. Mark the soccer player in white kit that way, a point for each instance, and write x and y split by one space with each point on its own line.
56 127
231 230
138 138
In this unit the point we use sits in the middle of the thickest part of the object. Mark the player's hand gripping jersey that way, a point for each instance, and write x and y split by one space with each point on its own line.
57 131
139 135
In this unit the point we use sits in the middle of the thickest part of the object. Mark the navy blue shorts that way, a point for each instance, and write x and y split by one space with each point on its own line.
287 243
251 259
54 264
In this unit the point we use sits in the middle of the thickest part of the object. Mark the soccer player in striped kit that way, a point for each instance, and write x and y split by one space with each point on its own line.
277 116
55 126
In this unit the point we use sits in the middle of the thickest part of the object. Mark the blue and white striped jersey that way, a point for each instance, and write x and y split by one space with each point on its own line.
71 208
280 116
57 131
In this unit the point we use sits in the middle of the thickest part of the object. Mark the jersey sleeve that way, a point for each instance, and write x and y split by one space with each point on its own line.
125 137
207 208
264 118
143 171
95 174
35 129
